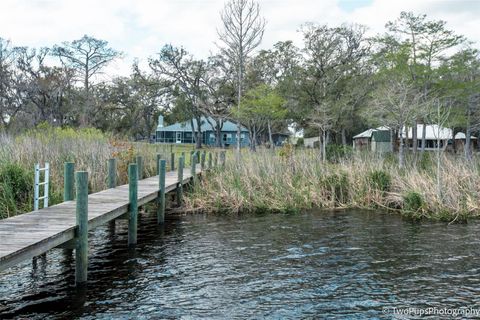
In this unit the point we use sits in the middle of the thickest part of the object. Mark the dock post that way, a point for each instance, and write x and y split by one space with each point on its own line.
161 197
133 203
210 161
193 170
191 156
202 161
172 161
112 173
81 243
222 158
159 156
139 161
68 181
181 162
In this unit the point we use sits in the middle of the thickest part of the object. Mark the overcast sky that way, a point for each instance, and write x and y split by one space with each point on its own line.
140 28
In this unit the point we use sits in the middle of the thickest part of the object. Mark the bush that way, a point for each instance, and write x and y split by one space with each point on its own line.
300 143
336 152
425 162
338 184
16 188
412 201
380 180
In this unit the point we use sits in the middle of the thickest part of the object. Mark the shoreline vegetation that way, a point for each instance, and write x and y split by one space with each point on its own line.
88 148
284 180
290 180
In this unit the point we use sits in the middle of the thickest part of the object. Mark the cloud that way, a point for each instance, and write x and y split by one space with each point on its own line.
141 28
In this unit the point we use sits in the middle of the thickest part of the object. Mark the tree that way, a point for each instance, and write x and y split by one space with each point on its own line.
44 86
87 56
10 99
427 43
460 80
242 32
333 57
396 103
188 75
260 107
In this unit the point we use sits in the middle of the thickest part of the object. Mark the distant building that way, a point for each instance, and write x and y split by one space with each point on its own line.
182 133
363 140
379 139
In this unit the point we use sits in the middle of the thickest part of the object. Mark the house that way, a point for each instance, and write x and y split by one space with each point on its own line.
182 132
362 141
379 139
279 138
460 140
434 134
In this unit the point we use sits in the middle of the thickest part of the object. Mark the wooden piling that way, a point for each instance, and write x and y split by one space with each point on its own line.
112 173
193 168
202 161
81 234
222 158
68 181
161 196
159 157
191 156
209 160
139 161
172 161
216 159
133 203
181 162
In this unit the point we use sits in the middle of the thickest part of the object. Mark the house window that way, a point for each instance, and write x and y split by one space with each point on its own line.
242 136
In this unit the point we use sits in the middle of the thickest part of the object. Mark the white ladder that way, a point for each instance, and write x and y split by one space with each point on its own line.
45 183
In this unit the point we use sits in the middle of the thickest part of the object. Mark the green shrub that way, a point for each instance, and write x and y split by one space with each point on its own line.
16 188
412 201
380 180
338 184
336 152
300 143
425 162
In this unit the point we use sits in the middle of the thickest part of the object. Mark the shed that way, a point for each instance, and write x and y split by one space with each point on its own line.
381 141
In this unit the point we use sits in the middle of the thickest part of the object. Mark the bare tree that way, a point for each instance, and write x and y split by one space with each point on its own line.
396 103
87 56
322 119
242 32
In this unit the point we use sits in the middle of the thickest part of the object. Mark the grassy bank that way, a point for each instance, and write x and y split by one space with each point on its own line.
292 180
90 149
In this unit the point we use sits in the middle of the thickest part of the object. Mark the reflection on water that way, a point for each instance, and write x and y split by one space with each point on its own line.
342 264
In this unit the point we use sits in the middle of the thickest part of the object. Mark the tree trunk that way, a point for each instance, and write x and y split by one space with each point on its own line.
254 139
344 137
218 136
324 146
414 138
270 139
198 143
468 151
424 137
401 150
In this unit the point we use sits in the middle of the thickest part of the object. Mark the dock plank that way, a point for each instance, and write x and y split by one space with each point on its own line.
28 235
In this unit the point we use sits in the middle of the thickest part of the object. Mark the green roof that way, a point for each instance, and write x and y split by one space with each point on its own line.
381 136
205 126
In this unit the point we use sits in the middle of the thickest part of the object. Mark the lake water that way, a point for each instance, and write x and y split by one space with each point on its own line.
351 264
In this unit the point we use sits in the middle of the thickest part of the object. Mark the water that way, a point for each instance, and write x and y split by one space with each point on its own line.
350 264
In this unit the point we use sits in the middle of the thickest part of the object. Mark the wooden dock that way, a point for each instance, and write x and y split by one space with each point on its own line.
31 234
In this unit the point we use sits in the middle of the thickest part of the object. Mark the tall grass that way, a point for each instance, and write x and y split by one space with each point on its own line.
292 180
89 149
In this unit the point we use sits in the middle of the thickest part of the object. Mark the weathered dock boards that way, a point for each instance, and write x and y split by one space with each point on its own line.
28 235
